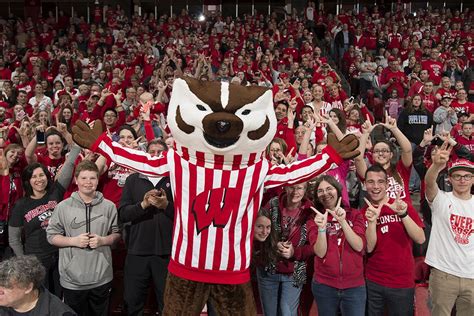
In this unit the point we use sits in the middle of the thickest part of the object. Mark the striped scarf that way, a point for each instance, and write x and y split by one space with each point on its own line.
299 271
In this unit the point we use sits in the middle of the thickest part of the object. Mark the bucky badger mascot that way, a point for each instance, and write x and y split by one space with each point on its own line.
218 173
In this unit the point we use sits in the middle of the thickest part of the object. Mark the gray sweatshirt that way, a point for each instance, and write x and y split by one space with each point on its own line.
83 269
443 120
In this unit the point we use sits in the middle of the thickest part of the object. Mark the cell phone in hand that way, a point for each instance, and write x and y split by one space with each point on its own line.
40 139
20 115
437 141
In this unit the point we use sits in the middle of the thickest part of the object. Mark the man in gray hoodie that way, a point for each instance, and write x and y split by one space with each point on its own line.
84 227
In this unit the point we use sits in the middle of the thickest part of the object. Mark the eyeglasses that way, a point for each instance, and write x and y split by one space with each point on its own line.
382 151
328 190
458 177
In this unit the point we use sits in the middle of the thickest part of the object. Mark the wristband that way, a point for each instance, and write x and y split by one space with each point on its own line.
403 215
321 230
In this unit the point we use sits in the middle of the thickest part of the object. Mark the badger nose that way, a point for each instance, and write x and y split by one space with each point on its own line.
223 126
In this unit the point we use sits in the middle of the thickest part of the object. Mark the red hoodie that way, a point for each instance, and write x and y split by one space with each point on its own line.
342 267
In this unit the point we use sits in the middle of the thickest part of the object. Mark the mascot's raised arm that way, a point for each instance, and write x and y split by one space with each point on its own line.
218 172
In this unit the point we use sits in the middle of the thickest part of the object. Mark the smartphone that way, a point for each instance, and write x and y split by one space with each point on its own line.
20 115
437 142
40 137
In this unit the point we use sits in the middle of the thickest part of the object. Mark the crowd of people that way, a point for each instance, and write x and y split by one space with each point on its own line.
402 82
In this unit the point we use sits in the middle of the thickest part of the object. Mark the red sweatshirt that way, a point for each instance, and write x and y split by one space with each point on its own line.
342 267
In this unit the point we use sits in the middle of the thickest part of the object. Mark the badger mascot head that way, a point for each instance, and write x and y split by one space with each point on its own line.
221 118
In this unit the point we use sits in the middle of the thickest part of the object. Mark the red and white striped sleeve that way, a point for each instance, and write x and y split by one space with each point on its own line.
131 158
303 170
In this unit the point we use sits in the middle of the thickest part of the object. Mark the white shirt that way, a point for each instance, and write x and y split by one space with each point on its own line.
44 104
451 247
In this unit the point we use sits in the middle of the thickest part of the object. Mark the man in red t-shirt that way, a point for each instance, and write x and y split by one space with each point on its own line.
461 104
428 97
465 138
392 227
394 79
434 66
417 82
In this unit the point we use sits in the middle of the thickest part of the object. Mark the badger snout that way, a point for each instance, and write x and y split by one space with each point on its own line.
222 129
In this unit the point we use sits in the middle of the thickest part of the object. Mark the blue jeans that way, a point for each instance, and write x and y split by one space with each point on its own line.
329 299
399 302
277 294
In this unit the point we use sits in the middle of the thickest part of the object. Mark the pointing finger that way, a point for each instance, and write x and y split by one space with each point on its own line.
368 203
291 152
316 211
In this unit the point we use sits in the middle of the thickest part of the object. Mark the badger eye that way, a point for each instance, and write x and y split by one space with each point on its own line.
246 112
200 107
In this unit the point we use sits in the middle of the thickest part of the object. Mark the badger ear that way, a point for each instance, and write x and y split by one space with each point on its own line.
180 83
189 80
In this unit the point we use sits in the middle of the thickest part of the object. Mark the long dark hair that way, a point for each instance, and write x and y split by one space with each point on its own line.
63 120
333 182
28 173
266 254
410 108
392 169
128 128
342 119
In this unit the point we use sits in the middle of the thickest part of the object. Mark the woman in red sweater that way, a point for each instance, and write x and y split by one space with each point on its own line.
339 245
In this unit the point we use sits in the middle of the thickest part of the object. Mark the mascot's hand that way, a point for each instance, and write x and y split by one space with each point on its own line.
346 147
85 136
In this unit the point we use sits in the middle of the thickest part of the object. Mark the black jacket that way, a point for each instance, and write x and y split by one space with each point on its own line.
339 39
151 228
47 305
413 125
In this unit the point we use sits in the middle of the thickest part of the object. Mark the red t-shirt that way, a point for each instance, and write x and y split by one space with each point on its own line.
467 107
391 263
398 77
53 165
113 181
429 101
443 92
435 69
467 142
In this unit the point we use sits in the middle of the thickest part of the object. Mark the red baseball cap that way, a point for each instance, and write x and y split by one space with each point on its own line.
461 164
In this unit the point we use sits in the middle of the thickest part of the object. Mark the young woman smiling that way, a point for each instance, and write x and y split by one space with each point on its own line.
338 280
32 213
